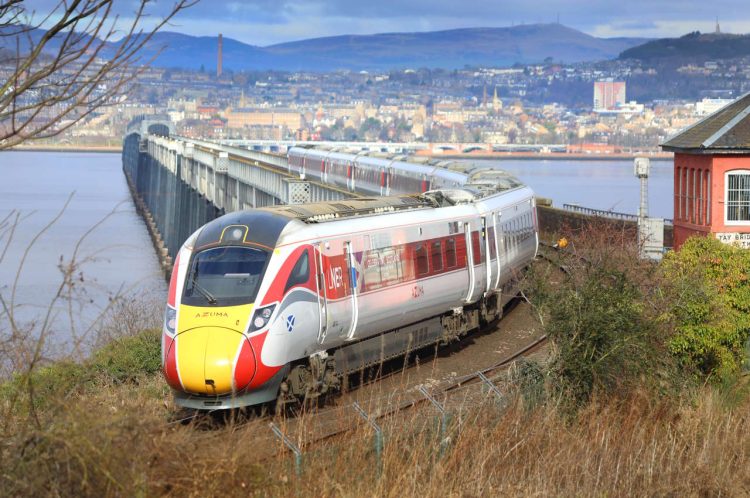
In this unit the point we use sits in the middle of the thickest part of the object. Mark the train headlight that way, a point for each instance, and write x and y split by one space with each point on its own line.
261 317
170 319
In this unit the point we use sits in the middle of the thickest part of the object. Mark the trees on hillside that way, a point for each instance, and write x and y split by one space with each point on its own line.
57 67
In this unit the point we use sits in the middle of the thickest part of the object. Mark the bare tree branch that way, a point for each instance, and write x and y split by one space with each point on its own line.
77 64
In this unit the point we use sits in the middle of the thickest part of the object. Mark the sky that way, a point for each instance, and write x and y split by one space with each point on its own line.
267 22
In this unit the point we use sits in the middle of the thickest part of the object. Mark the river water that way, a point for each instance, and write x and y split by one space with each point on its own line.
119 257
609 184
114 248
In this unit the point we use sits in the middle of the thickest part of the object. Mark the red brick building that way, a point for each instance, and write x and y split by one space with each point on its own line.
712 176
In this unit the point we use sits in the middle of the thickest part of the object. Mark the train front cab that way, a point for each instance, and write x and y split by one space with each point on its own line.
216 322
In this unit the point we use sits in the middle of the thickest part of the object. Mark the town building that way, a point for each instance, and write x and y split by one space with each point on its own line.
608 95
712 176
241 118
710 106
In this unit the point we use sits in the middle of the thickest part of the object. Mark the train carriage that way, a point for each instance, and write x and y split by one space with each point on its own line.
281 302
371 174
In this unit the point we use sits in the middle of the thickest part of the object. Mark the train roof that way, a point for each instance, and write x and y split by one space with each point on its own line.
265 225
318 212
465 173
321 212
263 228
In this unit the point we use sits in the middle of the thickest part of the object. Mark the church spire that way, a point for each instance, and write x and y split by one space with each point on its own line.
497 104
718 28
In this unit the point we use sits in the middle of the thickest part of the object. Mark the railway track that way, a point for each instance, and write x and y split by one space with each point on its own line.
397 375
275 436
329 427
318 424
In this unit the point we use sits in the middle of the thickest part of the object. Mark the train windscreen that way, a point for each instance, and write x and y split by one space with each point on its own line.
225 276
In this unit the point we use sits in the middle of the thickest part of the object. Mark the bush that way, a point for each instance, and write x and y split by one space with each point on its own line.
601 338
600 317
707 286
129 357
51 384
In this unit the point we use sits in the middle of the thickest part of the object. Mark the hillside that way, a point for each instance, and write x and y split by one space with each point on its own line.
451 49
695 47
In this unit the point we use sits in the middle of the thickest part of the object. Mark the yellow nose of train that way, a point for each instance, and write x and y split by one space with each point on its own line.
206 358
213 356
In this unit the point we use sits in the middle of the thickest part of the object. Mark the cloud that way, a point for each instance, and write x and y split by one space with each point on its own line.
264 22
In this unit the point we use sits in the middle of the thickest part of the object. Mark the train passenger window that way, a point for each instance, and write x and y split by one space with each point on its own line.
450 253
420 259
372 277
436 256
476 248
300 273
391 265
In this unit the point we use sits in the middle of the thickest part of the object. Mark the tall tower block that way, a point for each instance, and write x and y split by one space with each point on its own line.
219 56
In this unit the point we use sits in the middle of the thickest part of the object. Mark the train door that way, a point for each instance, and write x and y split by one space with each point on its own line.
487 254
389 177
498 249
322 298
350 171
338 302
469 260
351 266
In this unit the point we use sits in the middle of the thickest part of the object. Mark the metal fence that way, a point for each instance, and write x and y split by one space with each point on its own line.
606 214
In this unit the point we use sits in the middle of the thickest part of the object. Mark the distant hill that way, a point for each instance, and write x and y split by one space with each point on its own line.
695 47
450 49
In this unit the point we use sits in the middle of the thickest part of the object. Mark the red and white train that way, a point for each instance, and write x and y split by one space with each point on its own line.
375 173
279 303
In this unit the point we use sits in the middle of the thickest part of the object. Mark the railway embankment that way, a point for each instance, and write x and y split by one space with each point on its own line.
555 221
642 392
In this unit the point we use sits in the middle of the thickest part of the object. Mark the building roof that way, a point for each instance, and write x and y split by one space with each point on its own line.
725 131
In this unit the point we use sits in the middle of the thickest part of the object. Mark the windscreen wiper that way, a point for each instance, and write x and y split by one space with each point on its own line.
209 297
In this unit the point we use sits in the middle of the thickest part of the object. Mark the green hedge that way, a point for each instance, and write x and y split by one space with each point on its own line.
708 290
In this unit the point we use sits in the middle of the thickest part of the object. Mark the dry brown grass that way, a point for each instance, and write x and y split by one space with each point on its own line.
117 441
105 428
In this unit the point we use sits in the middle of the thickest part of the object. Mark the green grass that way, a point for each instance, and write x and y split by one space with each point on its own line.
125 360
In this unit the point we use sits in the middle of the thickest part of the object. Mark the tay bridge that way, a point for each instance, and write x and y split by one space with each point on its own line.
178 184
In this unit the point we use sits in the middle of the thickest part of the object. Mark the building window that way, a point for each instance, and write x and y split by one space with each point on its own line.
708 198
737 189
680 190
685 215
699 203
